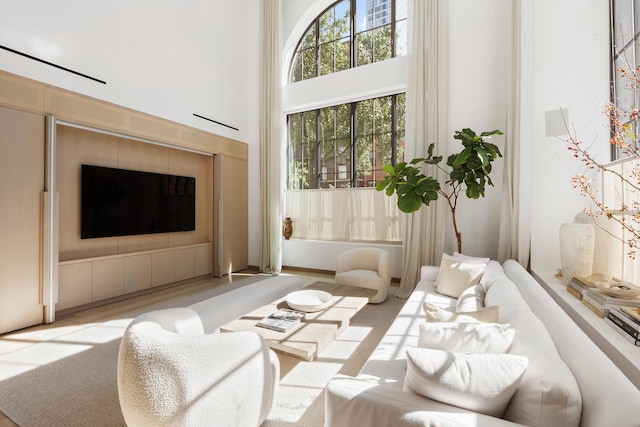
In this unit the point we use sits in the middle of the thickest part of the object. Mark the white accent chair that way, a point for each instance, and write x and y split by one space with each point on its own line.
170 373
367 268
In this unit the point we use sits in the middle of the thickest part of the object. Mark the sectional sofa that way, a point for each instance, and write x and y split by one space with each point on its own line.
535 367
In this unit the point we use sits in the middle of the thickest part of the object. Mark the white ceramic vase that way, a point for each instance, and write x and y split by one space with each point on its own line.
577 242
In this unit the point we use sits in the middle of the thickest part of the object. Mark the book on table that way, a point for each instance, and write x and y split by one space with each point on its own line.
624 322
579 285
622 332
282 320
600 303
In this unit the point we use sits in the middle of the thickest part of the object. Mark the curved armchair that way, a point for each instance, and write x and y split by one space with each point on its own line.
172 374
366 268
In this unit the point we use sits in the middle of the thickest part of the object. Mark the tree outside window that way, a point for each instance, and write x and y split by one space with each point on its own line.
379 32
326 152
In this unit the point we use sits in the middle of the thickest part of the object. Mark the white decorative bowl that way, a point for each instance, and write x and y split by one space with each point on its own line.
618 288
309 300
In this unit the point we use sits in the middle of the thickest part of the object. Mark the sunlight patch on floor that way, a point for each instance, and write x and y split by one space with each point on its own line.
300 387
24 351
346 344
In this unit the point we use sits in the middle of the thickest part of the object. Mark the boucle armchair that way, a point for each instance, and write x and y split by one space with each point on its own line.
367 268
170 373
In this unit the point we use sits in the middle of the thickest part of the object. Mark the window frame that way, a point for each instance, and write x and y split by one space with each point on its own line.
316 182
616 53
353 38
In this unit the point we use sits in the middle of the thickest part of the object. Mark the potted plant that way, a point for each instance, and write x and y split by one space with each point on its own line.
467 170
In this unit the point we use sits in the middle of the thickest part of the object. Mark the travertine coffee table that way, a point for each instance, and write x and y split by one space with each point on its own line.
317 331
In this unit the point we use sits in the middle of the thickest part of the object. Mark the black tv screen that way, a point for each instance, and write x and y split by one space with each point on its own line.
120 202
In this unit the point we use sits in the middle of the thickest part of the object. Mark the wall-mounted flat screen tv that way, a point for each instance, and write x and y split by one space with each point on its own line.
120 202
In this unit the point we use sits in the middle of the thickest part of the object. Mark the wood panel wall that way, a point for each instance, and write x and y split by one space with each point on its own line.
79 146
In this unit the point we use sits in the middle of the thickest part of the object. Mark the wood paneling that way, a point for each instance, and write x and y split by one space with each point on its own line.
230 215
75 289
137 273
22 152
79 146
75 147
30 95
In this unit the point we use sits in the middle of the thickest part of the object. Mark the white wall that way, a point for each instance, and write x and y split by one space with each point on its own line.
479 43
166 58
566 47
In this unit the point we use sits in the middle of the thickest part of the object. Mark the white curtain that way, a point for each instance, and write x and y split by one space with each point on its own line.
271 151
353 214
423 232
514 239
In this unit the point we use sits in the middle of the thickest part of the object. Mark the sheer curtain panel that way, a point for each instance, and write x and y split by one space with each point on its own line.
423 232
271 144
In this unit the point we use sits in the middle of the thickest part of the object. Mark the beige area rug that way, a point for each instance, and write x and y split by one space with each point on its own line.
66 376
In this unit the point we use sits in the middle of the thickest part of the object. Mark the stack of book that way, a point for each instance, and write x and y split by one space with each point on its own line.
282 320
600 303
579 285
625 320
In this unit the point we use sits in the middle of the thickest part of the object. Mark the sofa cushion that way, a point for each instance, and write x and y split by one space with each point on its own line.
471 259
482 383
455 276
548 394
471 299
437 314
466 337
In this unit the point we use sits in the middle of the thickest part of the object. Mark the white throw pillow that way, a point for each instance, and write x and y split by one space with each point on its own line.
455 276
436 314
471 299
471 259
466 337
481 383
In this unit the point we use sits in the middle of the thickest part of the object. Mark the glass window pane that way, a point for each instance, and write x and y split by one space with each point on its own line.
309 64
326 26
361 16
402 9
343 121
623 27
342 19
400 146
401 38
382 115
364 46
327 58
382 43
625 97
343 54
296 69
309 39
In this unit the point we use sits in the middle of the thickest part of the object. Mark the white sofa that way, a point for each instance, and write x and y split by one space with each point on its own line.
566 373
175 369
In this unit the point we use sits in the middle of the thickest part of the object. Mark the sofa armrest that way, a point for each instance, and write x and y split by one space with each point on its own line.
351 401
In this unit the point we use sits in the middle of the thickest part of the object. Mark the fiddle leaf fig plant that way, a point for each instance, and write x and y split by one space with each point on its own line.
467 170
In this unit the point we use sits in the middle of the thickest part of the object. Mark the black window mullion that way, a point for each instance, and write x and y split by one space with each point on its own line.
317 149
393 28
318 46
354 135
394 136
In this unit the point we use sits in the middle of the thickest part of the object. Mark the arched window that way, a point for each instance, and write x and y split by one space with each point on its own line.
348 34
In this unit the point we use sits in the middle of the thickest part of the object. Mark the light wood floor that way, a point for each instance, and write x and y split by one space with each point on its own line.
134 306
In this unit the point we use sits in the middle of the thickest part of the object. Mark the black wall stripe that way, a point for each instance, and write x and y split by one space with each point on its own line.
52 64
214 121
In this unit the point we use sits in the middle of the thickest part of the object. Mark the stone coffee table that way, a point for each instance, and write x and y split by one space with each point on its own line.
317 331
